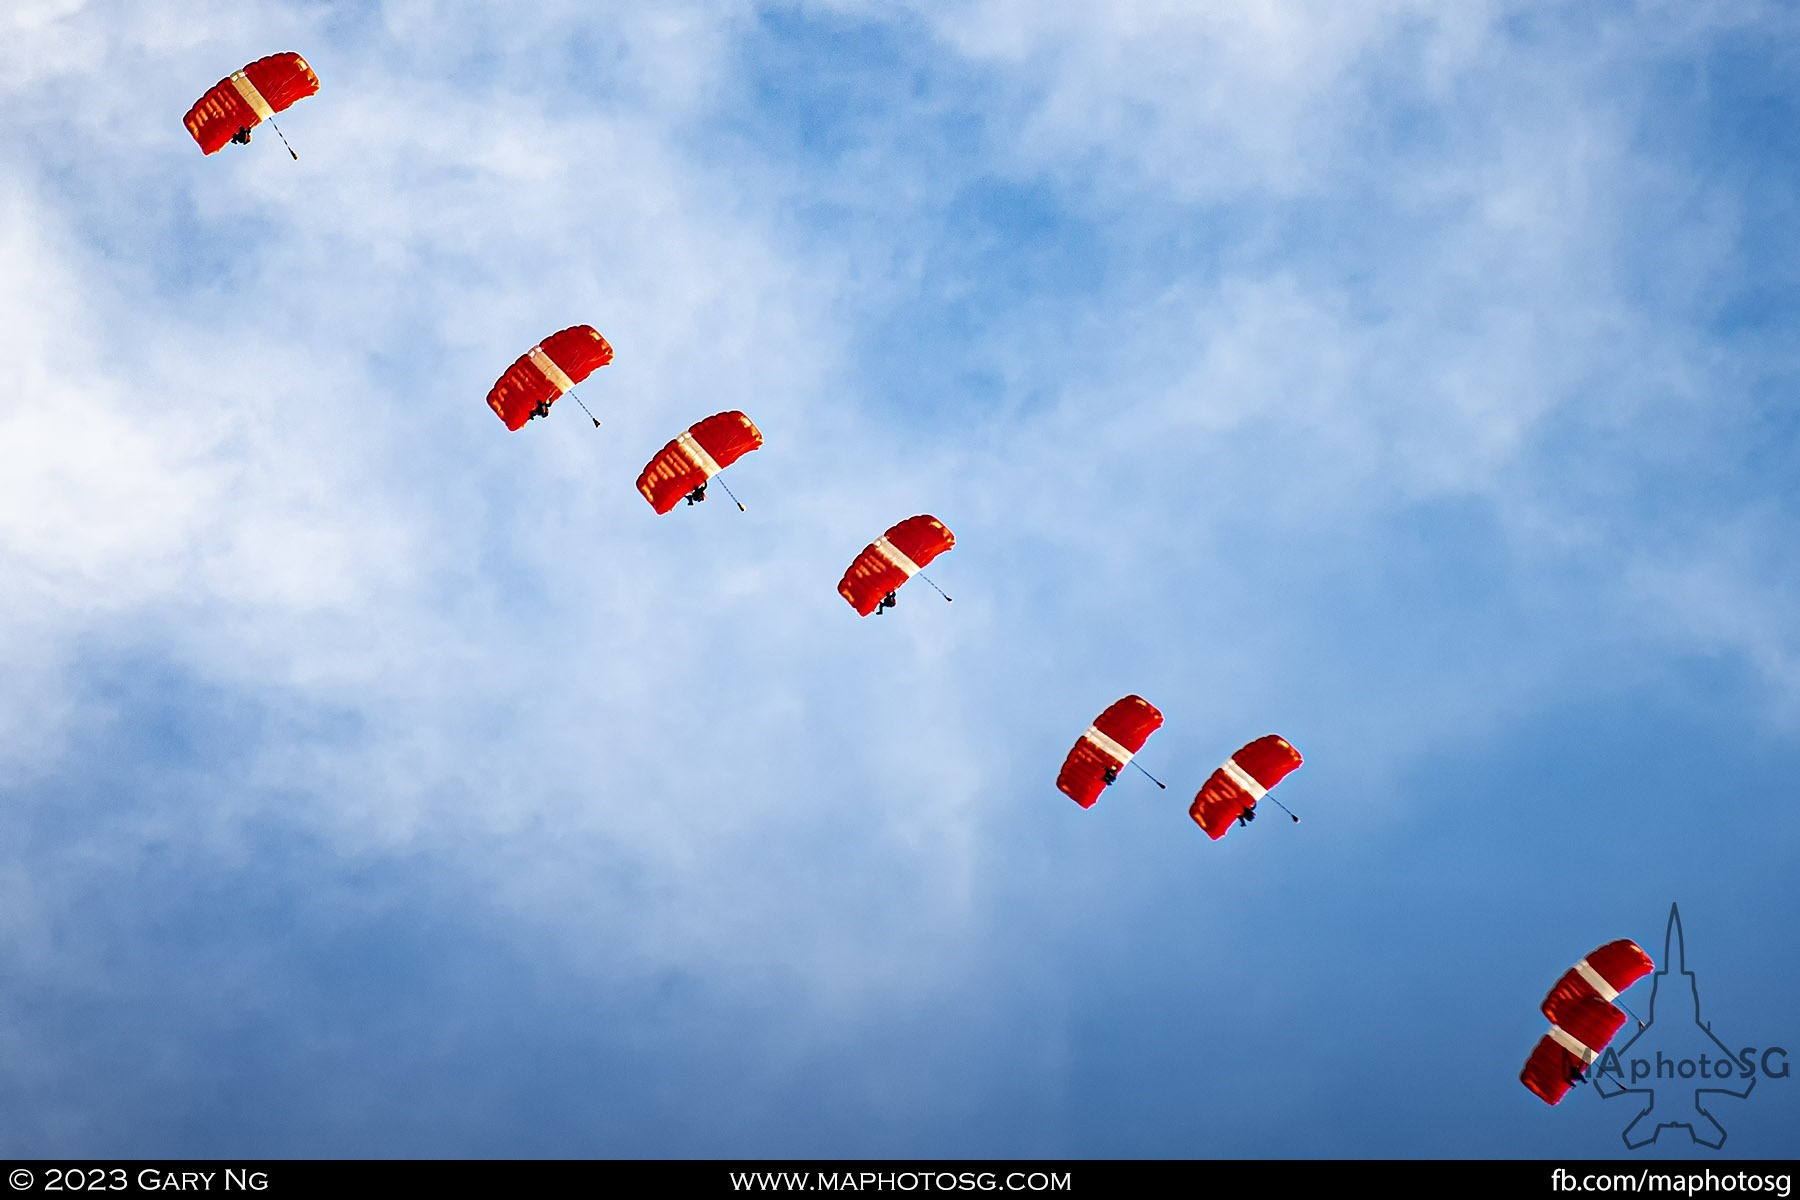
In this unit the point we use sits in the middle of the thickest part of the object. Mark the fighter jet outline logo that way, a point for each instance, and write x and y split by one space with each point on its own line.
1702 1126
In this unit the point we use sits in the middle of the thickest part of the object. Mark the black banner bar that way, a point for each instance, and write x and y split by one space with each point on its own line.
912 1177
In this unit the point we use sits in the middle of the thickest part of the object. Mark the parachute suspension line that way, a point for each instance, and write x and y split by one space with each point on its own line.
934 587
1629 1013
1284 808
727 488
1147 775
283 138
587 411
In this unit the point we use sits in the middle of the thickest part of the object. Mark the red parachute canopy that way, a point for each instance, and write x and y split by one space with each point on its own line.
694 457
1583 1017
1109 743
1245 778
1602 976
891 559
246 98
540 376
1552 1069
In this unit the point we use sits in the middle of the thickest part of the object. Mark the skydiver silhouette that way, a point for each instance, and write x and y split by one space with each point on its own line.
888 601
698 495
542 410
1111 775
242 136
1247 816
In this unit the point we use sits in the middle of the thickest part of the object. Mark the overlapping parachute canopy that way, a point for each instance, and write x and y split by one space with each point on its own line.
1583 1017
695 456
891 559
541 376
1109 743
245 98
1245 778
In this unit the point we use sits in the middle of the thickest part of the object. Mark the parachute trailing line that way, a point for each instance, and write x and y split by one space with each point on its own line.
890 560
244 99
545 373
1233 791
1105 747
683 467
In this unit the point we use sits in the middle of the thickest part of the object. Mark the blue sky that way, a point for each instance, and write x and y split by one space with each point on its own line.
1411 380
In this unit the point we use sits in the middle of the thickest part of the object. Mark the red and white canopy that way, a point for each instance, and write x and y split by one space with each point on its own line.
244 99
1583 1018
695 456
546 371
891 559
1602 975
1245 778
1109 743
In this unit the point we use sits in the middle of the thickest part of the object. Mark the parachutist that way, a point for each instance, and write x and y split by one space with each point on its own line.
546 373
1584 1014
888 601
227 110
684 469
1232 792
1101 754
890 560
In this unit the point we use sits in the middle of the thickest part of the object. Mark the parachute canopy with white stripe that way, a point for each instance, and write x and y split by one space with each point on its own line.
1583 1018
544 373
245 98
891 559
1602 975
694 457
1109 743
1245 778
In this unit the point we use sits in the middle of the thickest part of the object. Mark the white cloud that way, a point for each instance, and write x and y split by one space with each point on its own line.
282 481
